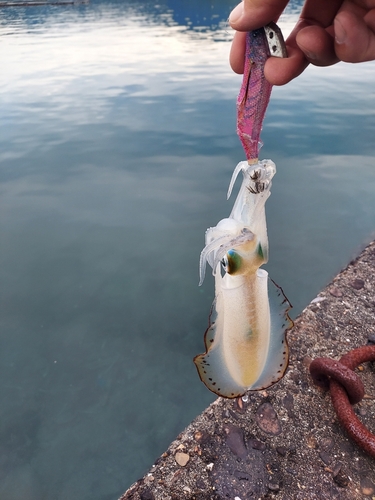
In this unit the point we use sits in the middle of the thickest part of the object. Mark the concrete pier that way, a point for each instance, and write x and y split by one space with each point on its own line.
284 442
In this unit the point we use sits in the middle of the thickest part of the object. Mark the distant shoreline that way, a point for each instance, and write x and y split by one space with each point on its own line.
34 4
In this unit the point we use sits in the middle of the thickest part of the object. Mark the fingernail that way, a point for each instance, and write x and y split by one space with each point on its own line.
236 14
310 55
340 33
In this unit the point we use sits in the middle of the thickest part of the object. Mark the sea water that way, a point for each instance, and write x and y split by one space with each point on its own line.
117 144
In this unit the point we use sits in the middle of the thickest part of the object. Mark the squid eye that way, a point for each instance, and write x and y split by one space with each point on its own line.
224 263
231 262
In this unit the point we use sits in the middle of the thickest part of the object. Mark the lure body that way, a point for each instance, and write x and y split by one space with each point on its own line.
255 91
245 342
254 94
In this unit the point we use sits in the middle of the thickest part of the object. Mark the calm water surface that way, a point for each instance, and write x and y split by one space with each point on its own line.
117 144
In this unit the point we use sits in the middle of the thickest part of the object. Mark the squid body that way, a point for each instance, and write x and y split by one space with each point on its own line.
245 342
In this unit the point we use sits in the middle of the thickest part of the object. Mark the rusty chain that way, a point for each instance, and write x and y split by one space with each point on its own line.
346 389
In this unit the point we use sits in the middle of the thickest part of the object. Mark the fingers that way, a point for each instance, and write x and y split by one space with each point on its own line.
307 43
320 12
237 52
319 37
317 44
355 36
252 14
279 71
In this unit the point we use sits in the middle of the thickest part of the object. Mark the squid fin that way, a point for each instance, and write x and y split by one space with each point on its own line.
211 365
210 370
278 352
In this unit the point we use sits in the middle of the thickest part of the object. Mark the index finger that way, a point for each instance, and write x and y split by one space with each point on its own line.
320 12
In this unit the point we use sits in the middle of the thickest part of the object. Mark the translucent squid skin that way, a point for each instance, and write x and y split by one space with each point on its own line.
245 342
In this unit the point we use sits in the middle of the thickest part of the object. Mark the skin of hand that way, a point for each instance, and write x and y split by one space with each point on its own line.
327 31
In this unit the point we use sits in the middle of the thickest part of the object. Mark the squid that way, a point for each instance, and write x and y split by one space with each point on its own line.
245 342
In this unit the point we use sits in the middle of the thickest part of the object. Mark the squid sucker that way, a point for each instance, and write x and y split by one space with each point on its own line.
245 342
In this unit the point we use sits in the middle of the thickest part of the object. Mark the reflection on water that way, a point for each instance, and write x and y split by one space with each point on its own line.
117 144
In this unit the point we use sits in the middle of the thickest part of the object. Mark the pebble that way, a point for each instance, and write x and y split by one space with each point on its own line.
357 284
367 486
326 444
336 469
336 292
288 401
241 475
233 414
311 441
282 450
225 414
201 437
147 495
257 445
325 457
267 419
182 458
273 486
341 479
235 440
239 405
318 299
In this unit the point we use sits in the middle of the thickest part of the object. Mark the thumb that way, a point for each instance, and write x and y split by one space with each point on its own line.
355 36
253 14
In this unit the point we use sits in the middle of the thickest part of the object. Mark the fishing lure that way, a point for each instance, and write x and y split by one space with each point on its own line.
245 342
255 91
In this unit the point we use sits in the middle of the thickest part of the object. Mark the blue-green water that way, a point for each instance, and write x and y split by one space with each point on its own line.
117 144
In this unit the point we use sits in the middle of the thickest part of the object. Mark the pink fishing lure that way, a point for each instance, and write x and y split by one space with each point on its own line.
255 91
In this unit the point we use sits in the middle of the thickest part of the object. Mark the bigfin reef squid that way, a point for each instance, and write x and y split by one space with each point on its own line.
245 342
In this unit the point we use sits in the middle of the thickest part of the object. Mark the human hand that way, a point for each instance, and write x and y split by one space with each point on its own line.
327 31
